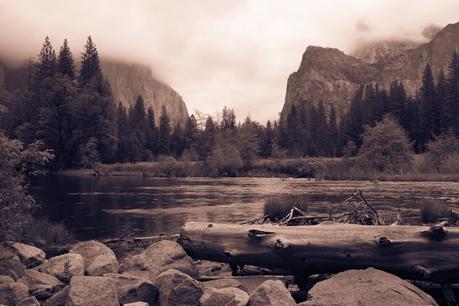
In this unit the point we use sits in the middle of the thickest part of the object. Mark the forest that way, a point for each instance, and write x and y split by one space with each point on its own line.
75 115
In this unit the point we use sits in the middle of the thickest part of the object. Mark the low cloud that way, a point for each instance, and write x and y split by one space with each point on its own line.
215 53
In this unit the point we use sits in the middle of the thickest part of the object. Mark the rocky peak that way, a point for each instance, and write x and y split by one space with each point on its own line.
329 75
130 80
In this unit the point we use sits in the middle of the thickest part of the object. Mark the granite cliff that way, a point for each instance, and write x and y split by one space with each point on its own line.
329 75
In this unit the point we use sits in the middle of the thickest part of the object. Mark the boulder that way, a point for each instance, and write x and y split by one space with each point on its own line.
13 293
92 291
66 266
225 283
29 255
41 285
160 257
367 287
271 293
177 288
5 279
136 304
30 301
43 267
224 296
58 299
98 258
134 289
12 267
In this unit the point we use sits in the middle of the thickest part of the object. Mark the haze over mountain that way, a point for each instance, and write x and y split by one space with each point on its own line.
331 76
214 53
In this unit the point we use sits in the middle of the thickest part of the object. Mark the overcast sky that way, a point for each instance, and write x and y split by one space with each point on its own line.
217 52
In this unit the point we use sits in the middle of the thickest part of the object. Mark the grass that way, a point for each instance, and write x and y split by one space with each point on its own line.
432 211
42 232
278 207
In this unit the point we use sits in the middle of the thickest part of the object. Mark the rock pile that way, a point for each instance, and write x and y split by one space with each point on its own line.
163 274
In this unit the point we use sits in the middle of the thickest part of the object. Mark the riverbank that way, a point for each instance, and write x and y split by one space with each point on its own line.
316 168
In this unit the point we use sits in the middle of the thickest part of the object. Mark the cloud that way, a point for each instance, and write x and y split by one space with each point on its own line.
237 53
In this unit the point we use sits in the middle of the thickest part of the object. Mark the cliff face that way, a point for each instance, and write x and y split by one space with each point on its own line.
333 77
131 80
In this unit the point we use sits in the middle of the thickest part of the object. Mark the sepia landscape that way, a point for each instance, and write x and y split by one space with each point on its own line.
229 152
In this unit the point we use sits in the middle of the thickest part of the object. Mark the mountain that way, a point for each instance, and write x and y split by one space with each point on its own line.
331 76
131 80
126 80
378 51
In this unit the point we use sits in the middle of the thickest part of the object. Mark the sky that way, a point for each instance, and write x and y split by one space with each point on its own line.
215 53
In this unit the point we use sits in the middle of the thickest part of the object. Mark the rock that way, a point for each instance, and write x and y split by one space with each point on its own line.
43 267
92 291
13 293
12 267
134 289
41 285
5 279
367 287
136 304
177 288
98 258
29 255
30 301
66 266
58 299
160 257
271 293
224 296
225 283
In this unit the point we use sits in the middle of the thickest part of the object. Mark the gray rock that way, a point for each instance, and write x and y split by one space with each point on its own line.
136 304
160 257
13 293
12 267
29 255
5 279
92 291
177 288
134 289
98 258
271 293
224 296
367 287
58 299
225 283
66 266
41 285
30 301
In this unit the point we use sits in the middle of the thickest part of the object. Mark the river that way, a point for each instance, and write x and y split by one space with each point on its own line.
108 207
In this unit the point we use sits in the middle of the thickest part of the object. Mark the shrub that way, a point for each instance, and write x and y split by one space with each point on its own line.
41 231
443 153
386 148
278 207
225 161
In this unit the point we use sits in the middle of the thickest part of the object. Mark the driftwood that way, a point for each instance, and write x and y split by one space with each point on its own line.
412 252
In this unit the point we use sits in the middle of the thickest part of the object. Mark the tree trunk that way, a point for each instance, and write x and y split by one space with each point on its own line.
413 252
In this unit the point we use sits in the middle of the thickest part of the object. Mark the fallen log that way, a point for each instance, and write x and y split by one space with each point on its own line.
412 252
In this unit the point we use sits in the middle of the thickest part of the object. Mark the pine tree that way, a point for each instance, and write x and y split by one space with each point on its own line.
65 63
429 112
228 119
268 141
452 101
442 94
164 133
293 133
152 132
333 132
46 66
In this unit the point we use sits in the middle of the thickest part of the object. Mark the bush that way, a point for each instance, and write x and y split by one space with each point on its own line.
278 207
386 148
443 153
41 231
225 161
432 211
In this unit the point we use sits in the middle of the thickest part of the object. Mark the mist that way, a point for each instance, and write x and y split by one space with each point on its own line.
217 53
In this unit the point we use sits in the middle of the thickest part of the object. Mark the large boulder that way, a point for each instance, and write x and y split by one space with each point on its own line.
66 266
98 258
41 285
12 267
224 296
13 293
160 257
271 293
30 301
134 289
367 287
5 279
92 291
58 299
29 255
177 288
225 283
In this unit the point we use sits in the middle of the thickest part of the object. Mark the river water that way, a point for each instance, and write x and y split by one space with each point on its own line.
108 207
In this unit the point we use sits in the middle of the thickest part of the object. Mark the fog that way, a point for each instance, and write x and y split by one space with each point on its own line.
216 53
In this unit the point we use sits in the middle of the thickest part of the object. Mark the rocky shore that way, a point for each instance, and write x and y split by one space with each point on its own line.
163 274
